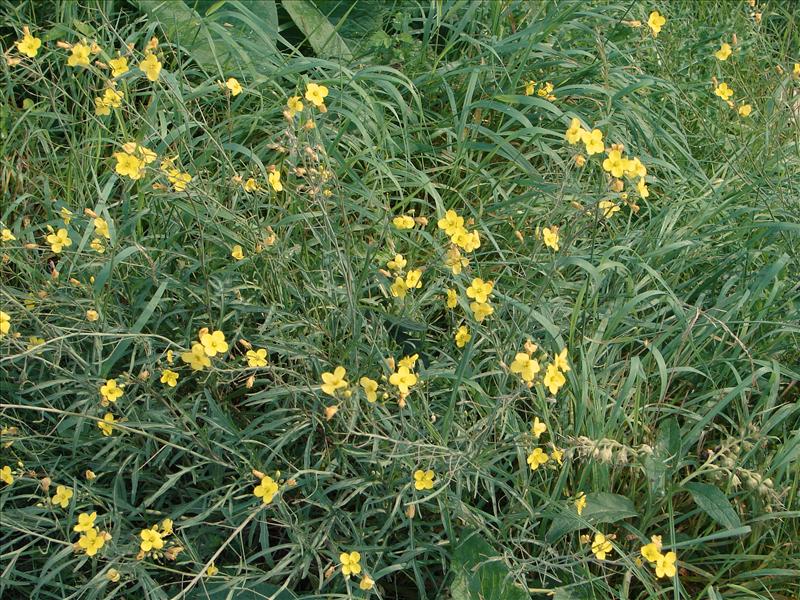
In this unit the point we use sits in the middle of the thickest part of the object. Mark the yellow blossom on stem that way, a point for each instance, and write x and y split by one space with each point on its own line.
266 489
151 539
316 94
169 377
6 476
257 358
451 223
237 252
234 86
580 503
462 336
59 240
110 391
370 387
538 428
150 66
119 66
62 496
294 106
537 458
452 298
274 179
601 546
665 565
403 222
656 21
423 480
85 522
196 358
350 563
525 366
403 379
334 381
575 132
608 208
481 310
107 424
724 51
29 45
79 56
479 290
554 379
214 343
550 237
593 140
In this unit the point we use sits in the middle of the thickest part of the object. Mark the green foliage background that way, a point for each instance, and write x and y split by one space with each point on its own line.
680 413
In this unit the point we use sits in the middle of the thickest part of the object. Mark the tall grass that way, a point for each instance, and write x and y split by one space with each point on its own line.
679 417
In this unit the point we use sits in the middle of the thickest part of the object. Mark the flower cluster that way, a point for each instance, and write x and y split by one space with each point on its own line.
92 538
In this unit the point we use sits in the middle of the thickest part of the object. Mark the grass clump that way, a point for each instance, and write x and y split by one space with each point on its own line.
468 300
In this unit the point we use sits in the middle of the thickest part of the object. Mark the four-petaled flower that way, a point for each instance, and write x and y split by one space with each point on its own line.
537 458
151 539
525 366
257 358
554 379
79 56
234 86
423 480
462 336
169 377
334 381
266 489
107 424
370 387
59 240
403 378
29 45
110 391
196 357
214 343
538 428
85 522
479 290
150 66
656 21
316 94
550 237
601 546
62 496
350 563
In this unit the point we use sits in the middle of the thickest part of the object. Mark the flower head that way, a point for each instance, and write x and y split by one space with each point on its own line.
479 290
550 237
62 496
481 310
608 208
350 563
723 91
214 343
59 240
196 357
593 140
462 336
537 458
334 381
101 228
92 541
538 428
525 366
366 583
724 51
403 378
85 522
580 503
601 546
452 298
119 66
370 387
234 86
560 360
107 424
129 165
5 323
554 379
745 110
169 377
6 476
29 45
110 391
316 94
665 565
274 179
451 223
79 56
151 539
615 164
294 105
403 222
656 21
575 132
150 66
6 235
423 480
257 358
399 289
266 489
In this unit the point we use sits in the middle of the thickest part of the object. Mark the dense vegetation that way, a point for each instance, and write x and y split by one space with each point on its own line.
416 300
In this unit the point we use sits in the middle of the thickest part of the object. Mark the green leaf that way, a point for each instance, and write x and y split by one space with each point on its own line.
711 500
319 31
665 455
229 591
601 507
480 572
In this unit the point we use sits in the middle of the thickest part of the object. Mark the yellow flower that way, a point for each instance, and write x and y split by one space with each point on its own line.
97 245
350 562
196 357
538 427
113 98
6 236
451 223
150 66
580 503
85 522
79 56
530 87
656 21
635 168
462 336
560 361
257 358
413 279
101 228
423 480
370 388
745 110
665 565
169 377
334 381
110 392
398 263
403 379
580 160
466 240
525 366
652 551
119 66
107 424
62 496
92 315
29 45
266 489
237 253
294 106
178 179
59 240
481 310
537 458
250 185
615 163
575 132
724 51
608 208
91 541
641 187
166 527
211 570
408 361
455 261
316 94
452 298
557 455
593 140
554 379
275 181
723 91
403 222
479 290
5 323
399 289
113 575
151 539
234 86
601 546
128 165
366 583
6 476
145 154
550 237
214 343
796 70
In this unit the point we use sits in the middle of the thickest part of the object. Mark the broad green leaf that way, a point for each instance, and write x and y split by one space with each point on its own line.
319 31
601 507
714 503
